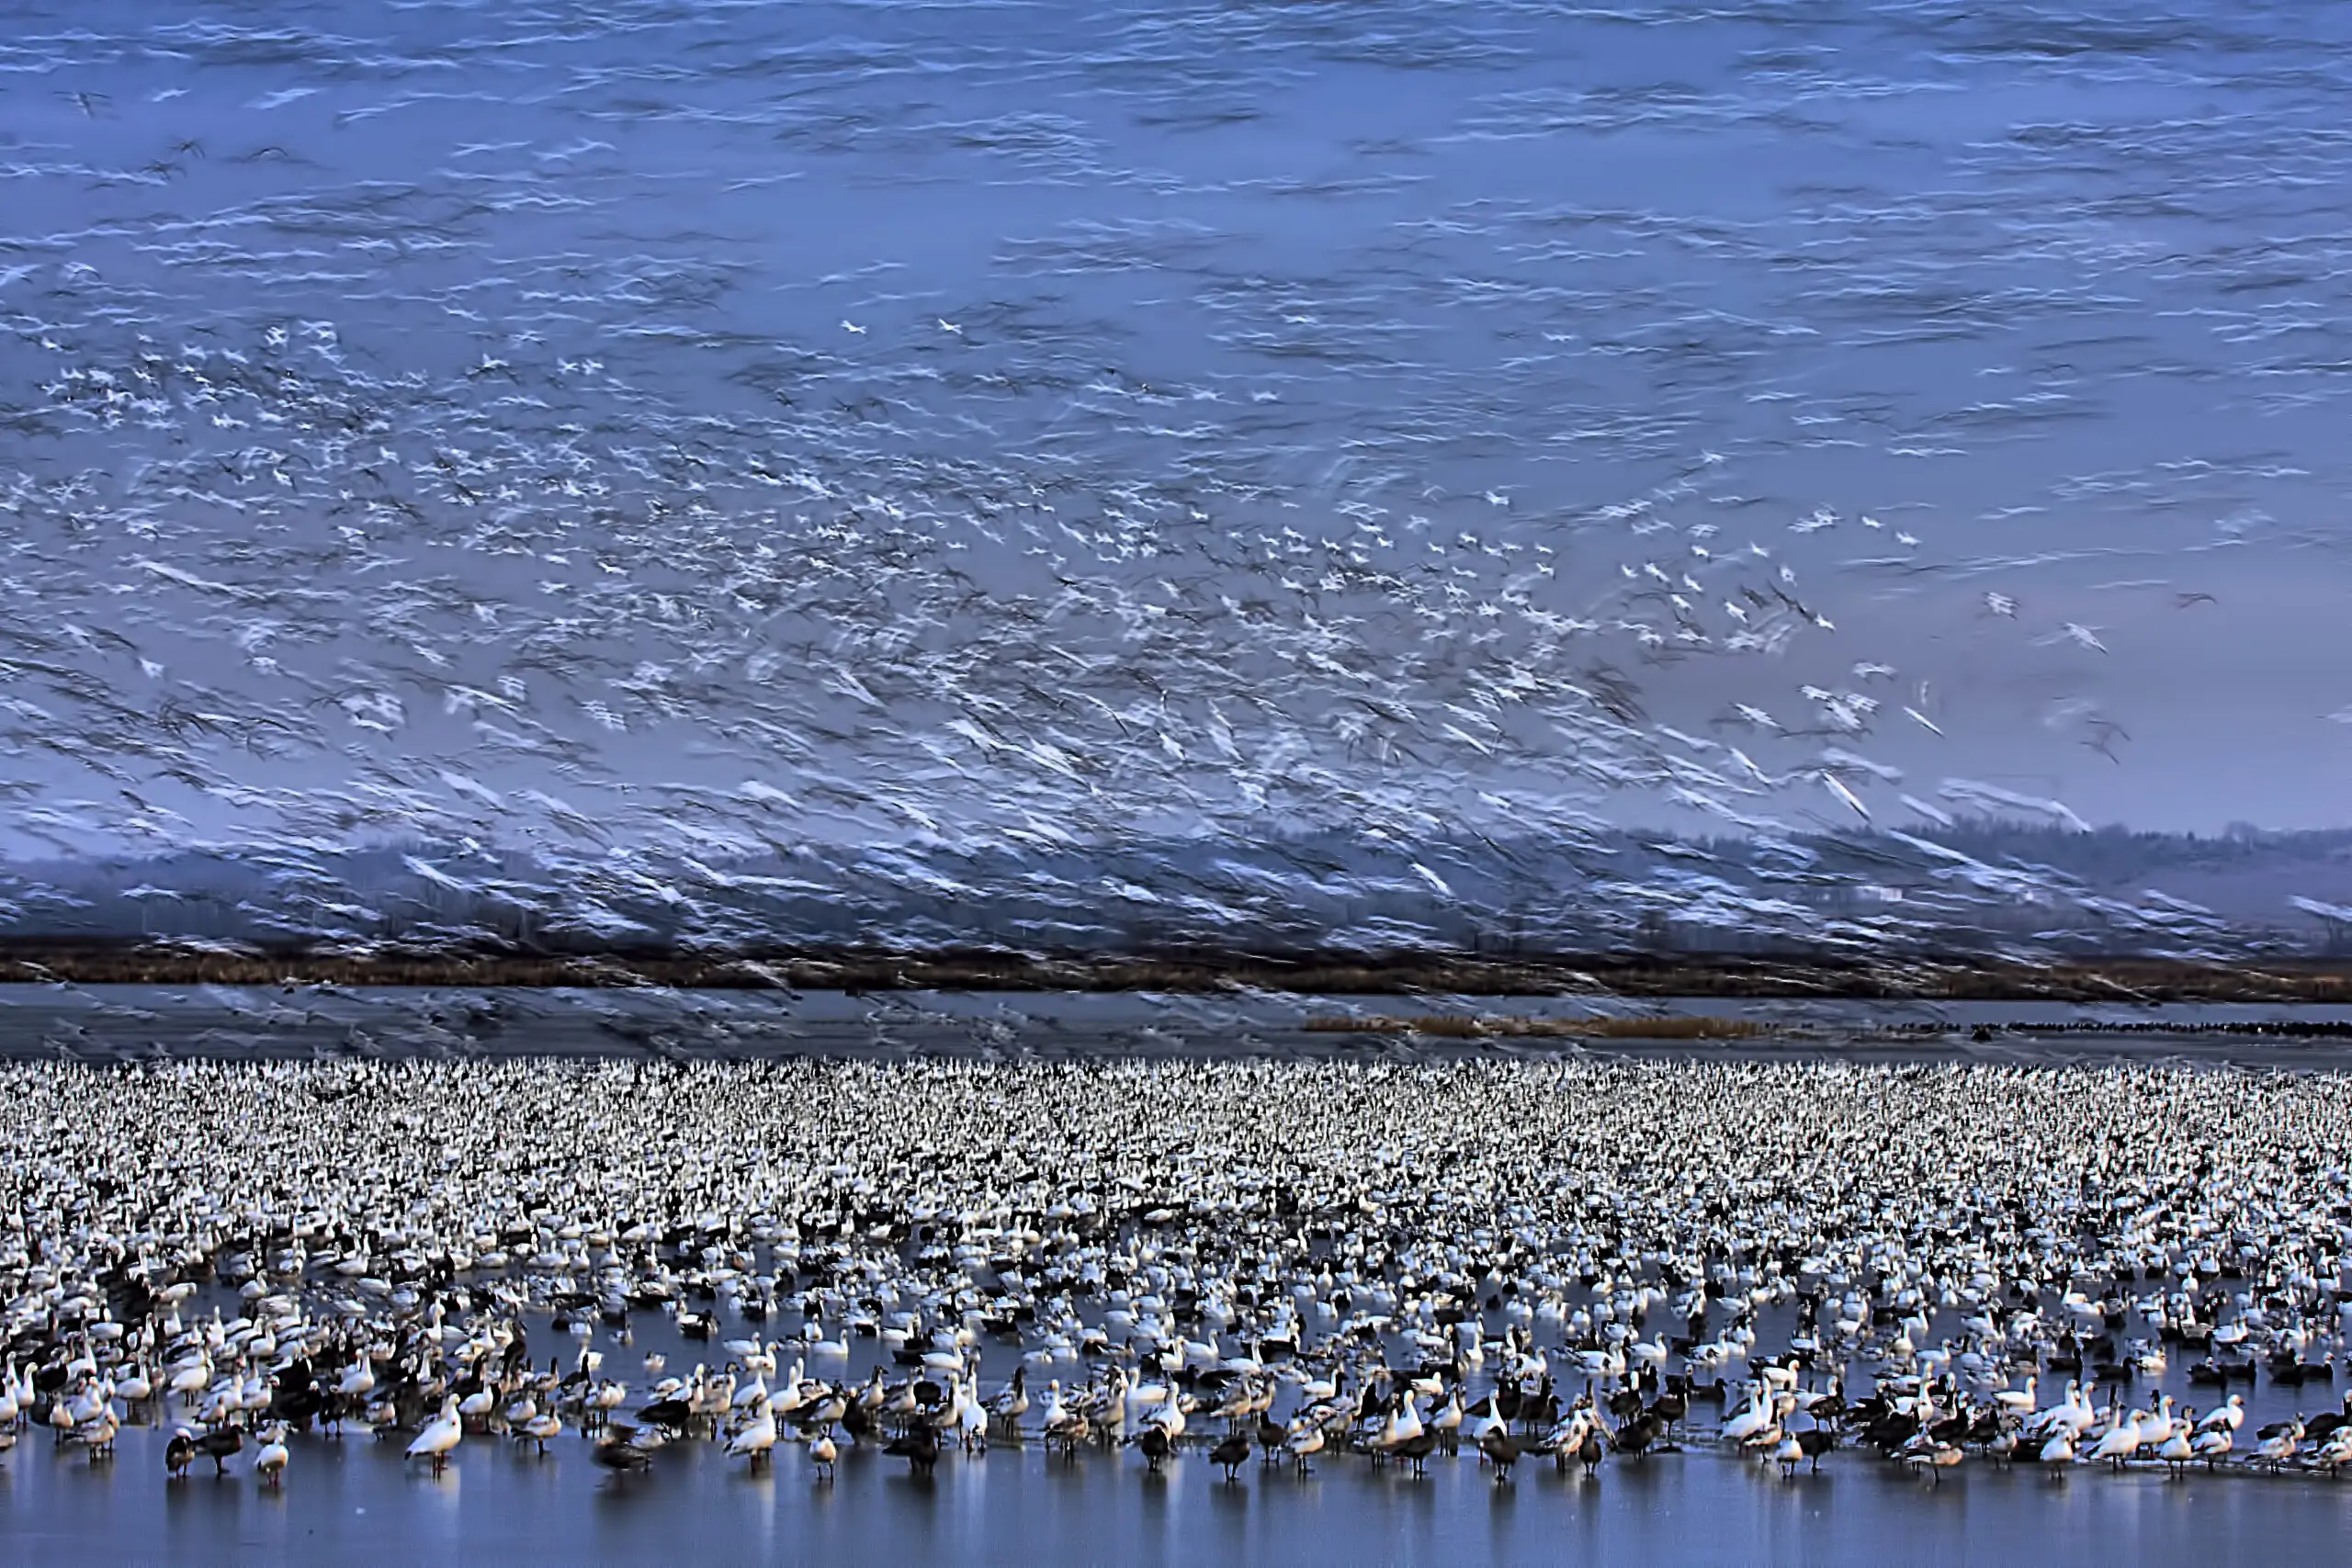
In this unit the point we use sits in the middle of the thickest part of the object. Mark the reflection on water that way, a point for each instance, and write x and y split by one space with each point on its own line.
355 1503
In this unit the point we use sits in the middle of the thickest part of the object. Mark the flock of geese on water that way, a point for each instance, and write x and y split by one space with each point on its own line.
1569 1262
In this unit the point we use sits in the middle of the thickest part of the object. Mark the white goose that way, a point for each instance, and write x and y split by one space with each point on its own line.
756 1441
1168 1416
2227 1416
269 1464
441 1434
1750 1421
2119 1442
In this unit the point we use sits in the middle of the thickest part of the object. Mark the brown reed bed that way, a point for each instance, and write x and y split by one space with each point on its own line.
1612 975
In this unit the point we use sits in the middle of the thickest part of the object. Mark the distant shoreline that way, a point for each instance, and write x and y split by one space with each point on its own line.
2119 980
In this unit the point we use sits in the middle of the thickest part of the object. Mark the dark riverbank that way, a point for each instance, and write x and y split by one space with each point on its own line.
2123 980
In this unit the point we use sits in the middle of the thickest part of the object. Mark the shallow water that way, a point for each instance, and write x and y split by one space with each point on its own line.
354 1500
356 1503
102 1024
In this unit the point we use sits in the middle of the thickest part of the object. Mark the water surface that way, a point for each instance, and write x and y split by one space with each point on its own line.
356 1503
